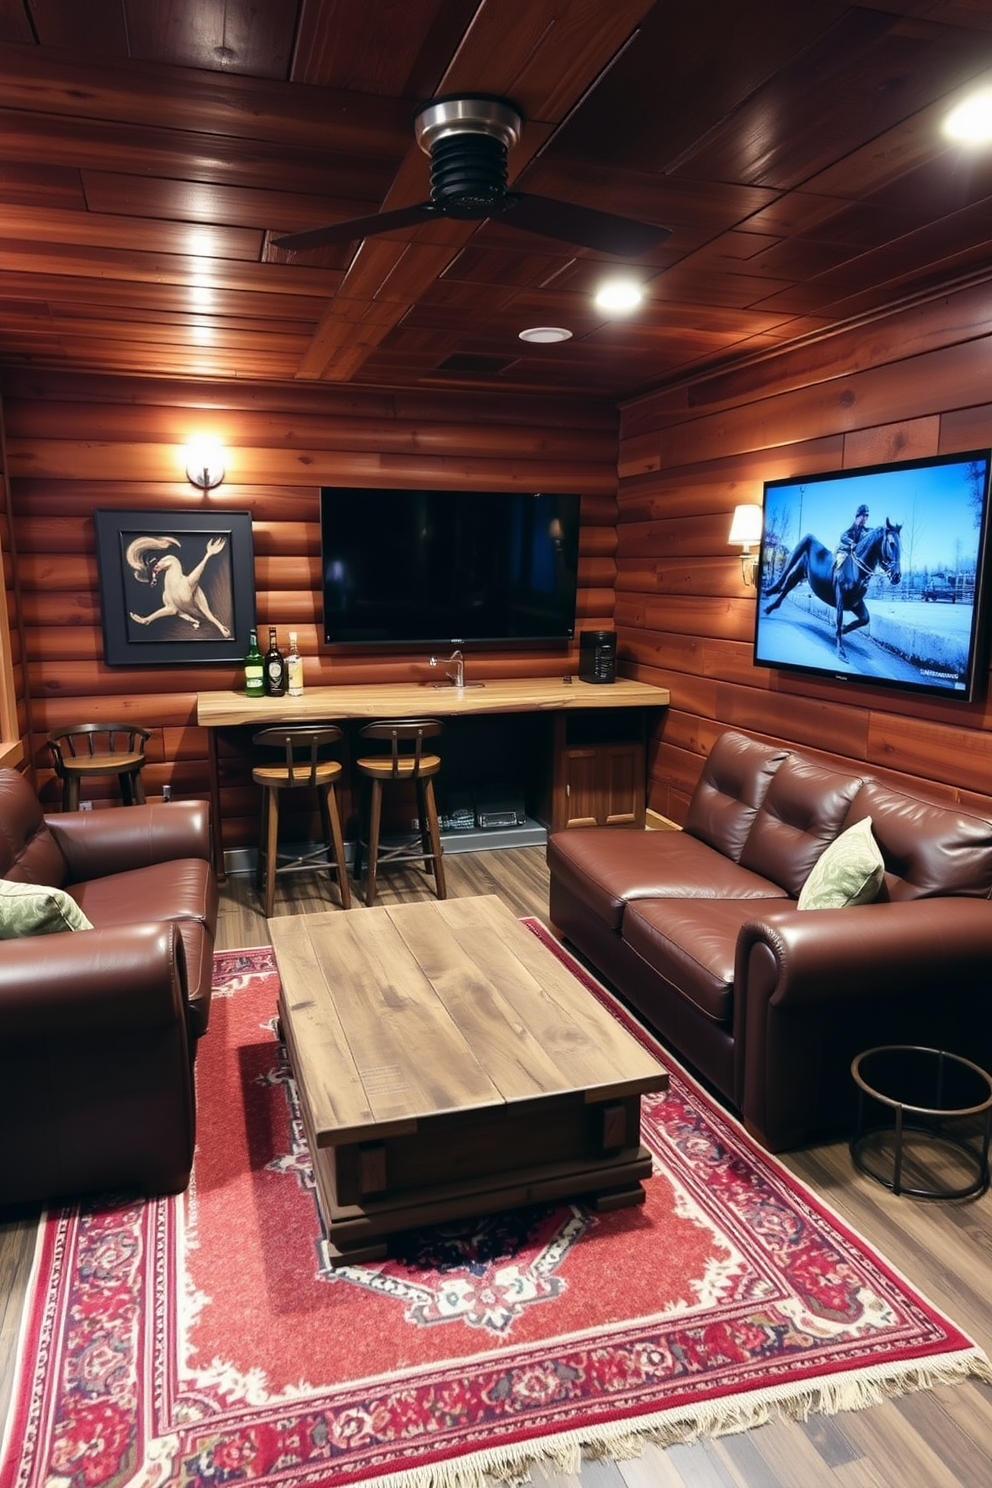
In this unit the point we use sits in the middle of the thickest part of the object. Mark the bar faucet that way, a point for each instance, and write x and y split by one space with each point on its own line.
454 678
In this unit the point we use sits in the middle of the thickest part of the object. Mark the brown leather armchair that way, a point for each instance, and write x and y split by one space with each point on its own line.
98 1027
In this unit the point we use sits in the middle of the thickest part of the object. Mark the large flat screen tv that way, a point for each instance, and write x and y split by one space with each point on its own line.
904 607
440 568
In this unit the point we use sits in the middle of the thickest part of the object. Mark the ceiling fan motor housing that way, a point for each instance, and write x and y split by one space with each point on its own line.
467 139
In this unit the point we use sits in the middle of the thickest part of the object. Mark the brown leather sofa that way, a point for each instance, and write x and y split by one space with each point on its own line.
699 931
98 1027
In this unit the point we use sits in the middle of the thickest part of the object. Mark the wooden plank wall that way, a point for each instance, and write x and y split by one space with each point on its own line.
10 634
915 383
76 444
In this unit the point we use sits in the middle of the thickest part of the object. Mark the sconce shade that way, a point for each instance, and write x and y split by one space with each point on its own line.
746 526
746 530
205 465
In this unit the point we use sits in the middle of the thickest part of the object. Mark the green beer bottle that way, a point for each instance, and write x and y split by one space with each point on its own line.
254 668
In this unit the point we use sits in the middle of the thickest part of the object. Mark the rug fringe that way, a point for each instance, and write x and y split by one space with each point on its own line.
829 1395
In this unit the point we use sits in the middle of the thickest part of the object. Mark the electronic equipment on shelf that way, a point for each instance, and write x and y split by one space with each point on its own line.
499 809
597 656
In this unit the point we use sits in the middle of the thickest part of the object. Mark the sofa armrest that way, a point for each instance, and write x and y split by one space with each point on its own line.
793 958
96 843
96 1082
814 988
118 980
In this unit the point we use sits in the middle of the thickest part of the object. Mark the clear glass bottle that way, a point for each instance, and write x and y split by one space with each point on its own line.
294 668
254 668
275 668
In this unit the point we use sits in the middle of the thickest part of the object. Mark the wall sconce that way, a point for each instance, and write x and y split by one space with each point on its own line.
205 465
746 530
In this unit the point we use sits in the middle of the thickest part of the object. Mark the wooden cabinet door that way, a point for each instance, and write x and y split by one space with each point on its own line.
580 798
622 782
602 785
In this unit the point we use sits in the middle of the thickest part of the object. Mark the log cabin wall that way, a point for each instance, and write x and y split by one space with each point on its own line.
913 383
76 444
15 711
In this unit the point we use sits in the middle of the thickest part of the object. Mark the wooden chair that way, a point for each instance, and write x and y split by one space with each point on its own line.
89 749
405 761
303 766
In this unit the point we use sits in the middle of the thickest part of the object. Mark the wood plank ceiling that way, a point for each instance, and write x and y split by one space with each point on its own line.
150 151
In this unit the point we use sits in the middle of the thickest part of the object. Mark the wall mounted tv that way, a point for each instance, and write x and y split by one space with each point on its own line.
911 611
447 568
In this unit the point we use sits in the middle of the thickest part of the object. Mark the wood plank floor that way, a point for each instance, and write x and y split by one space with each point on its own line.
939 1438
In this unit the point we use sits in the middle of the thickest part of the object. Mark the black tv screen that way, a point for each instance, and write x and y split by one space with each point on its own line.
407 567
910 594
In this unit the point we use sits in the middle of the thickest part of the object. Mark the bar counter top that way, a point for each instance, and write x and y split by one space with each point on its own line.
420 699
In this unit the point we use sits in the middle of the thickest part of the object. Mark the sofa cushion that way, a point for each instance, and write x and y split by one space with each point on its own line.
849 872
606 868
929 850
735 778
803 811
27 909
692 944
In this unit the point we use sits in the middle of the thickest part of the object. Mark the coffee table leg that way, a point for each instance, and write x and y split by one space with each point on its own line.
616 1198
358 1253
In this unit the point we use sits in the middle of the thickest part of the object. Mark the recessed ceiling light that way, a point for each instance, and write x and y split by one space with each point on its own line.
971 121
546 334
619 294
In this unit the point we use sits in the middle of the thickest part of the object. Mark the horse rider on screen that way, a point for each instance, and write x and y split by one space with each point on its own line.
849 540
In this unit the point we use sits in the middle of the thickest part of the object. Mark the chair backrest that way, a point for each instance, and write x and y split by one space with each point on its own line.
406 740
89 739
302 749
29 852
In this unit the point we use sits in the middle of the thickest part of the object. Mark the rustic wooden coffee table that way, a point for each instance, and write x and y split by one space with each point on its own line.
449 1065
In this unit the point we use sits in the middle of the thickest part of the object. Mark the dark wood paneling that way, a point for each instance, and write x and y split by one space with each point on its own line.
278 450
16 703
151 155
681 625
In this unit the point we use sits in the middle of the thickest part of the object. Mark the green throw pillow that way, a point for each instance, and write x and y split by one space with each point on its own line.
849 871
32 909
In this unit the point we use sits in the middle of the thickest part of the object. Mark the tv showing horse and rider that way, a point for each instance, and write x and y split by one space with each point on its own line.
853 563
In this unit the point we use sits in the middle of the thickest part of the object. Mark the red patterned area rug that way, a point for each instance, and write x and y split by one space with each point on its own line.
204 1340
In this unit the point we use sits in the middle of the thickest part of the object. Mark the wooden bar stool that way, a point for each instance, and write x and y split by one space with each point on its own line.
405 761
302 766
99 749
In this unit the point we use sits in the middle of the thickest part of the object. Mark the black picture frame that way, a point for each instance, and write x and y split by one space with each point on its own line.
210 618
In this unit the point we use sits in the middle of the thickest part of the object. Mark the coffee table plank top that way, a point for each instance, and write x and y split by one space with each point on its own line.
375 1050
402 1012
542 1030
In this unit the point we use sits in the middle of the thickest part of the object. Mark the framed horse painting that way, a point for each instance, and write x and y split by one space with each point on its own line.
175 588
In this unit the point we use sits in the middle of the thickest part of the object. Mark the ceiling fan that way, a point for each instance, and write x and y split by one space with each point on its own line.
467 138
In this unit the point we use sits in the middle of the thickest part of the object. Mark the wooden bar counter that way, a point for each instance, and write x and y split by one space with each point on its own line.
596 779
419 699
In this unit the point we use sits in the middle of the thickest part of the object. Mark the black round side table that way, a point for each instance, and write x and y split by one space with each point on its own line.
943 1099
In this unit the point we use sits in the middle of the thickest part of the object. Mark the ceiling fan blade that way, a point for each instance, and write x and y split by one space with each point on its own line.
358 227
586 227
